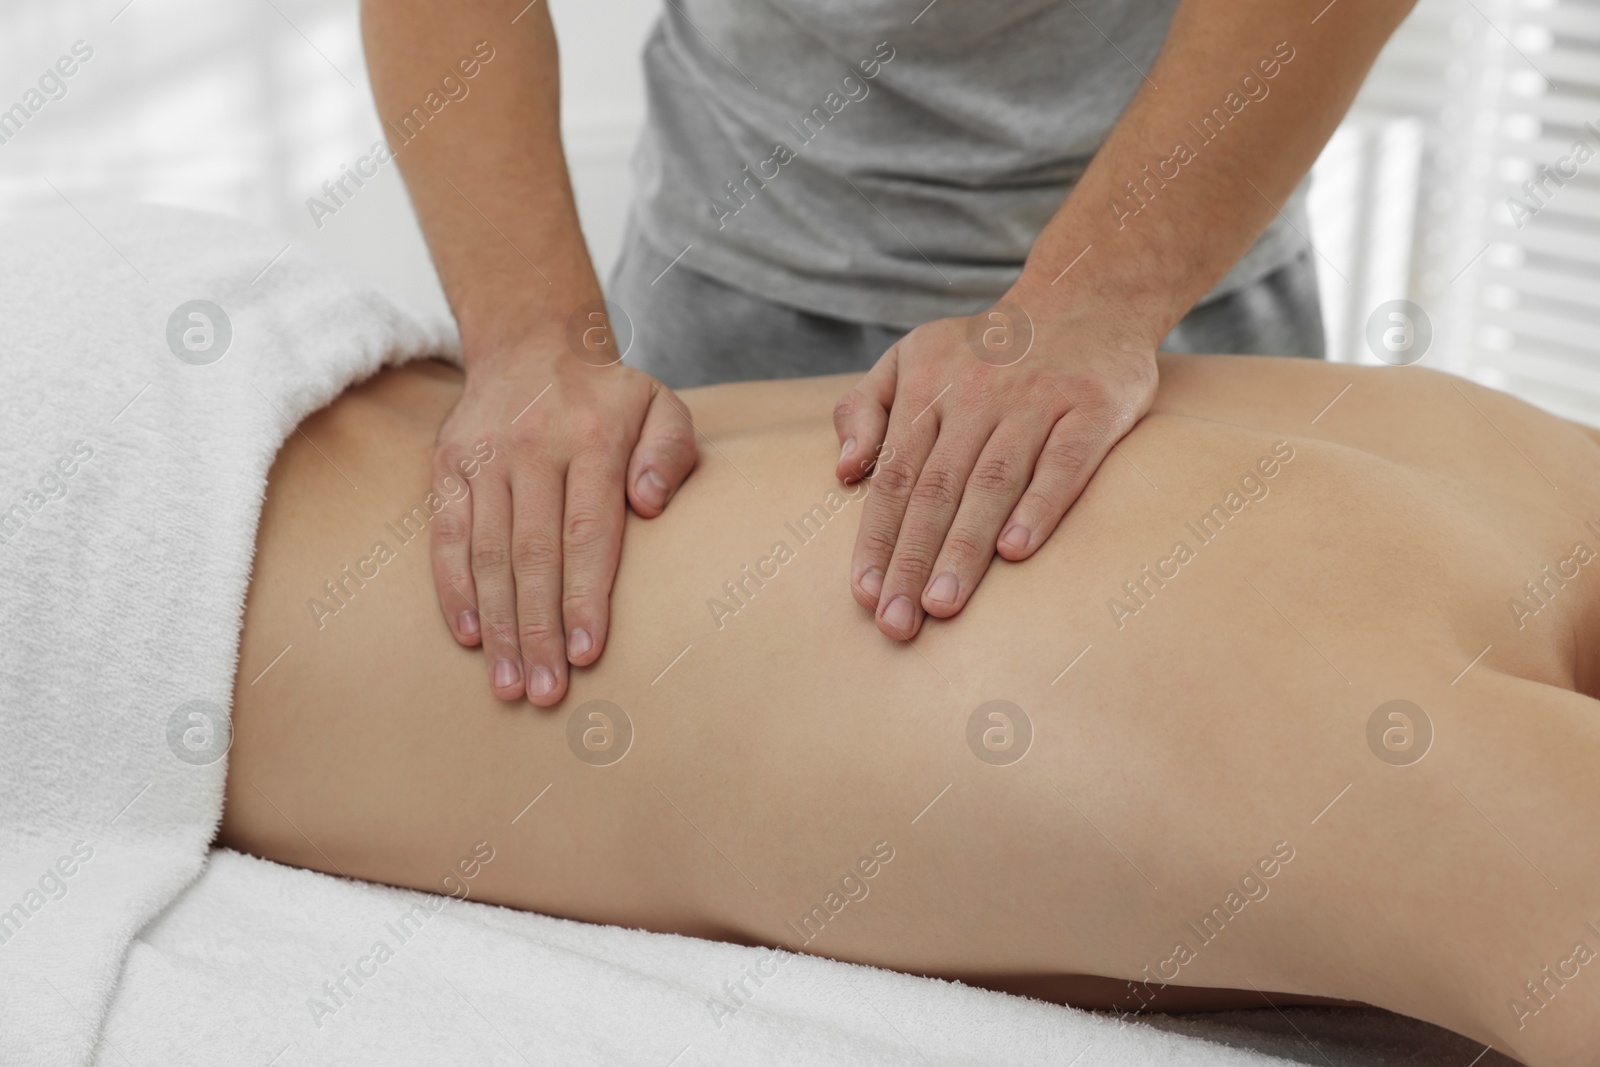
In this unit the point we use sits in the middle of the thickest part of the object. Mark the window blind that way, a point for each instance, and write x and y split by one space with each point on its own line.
1466 179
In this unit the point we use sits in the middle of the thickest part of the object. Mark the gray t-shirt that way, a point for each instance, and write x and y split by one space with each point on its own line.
861 160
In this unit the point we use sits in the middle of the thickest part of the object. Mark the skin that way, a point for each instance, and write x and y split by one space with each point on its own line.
986 462
525 571
1174 758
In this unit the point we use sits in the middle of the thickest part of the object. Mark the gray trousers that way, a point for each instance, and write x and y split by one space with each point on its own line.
689 329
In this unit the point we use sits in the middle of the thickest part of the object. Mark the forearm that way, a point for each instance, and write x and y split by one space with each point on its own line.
1238 105
487 174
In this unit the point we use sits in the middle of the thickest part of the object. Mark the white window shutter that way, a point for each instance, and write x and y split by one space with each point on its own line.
1410 199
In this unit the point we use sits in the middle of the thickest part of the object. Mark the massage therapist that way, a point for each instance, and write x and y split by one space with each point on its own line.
998 211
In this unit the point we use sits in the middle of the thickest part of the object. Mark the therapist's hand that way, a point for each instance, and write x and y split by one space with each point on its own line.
992 425
524 562
988 457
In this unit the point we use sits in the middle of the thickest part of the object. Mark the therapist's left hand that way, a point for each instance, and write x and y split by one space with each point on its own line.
989 426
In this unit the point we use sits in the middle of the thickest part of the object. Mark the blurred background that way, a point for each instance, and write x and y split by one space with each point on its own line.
246 107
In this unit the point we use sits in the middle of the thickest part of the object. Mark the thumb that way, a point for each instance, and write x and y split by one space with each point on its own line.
664 454
861 417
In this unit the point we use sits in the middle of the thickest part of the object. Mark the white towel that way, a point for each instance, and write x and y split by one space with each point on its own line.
132 471
236 974
124 580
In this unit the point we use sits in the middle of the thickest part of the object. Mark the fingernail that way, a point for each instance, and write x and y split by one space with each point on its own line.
872 582
505 674
849 443
898 614
944 589
1015 537
652 487
578 643
468 624
542 681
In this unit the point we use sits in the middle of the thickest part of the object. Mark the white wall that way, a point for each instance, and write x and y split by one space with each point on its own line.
246 106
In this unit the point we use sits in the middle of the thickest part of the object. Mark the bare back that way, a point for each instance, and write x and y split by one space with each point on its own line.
1183 784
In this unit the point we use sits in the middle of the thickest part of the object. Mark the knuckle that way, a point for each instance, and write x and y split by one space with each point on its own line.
673 444
895 476
590 430
682 437
1082 387
461 445
489 554
913 559
445 458
451 527
963 549
580 597
938 487
458 582
997 473
531 556
846 406
528 434
1071 452
496 627
980 382
878 542
535 631
584 528
1033 507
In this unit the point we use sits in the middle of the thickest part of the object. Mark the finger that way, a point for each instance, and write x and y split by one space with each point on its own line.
491 577
861 417
996 483
451 551
1071 455
664 455
538 498
913 428
591 541
929 513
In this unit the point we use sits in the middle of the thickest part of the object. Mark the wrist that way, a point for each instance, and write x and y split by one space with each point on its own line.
524 328
1131 315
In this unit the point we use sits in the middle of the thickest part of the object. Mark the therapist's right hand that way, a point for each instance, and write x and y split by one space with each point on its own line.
523 563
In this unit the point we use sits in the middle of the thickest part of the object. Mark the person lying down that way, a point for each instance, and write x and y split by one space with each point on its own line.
1299 700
